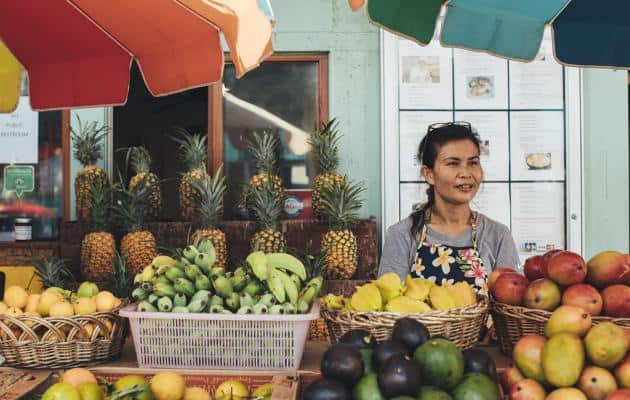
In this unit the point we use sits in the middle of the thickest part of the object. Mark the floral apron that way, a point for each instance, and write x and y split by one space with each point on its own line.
446 265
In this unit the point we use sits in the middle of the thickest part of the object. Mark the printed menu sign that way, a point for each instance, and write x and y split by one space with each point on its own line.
18 134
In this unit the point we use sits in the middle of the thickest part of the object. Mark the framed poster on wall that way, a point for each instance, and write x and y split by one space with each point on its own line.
528 117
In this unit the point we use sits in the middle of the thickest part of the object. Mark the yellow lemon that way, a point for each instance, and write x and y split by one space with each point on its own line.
46 300
33 301
61 391
90 391
232 389
168 386
61 309
16 296
84 305
3 307
105 301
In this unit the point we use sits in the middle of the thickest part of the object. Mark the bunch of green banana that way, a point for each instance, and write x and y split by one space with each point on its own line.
270 284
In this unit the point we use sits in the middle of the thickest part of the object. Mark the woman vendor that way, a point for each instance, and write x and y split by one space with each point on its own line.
444 240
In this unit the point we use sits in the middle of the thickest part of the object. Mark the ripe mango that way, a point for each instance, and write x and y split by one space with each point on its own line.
441 299
568 319
389 285
463 294
606 344
367 298
563 359
417 288
406 305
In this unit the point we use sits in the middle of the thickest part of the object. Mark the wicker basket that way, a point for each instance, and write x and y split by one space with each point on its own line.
460 325
513 322
61 342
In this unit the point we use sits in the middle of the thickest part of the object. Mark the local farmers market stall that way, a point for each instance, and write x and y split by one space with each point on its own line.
129 306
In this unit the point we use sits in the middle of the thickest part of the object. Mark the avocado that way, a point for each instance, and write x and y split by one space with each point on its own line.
433 393
400 376
366 354
476 386
343 363
477 360
383 351
326 389
411 333
359 338
367 389
441 363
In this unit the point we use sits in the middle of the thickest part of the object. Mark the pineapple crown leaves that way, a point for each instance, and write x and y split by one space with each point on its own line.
120 282
129 206
263 148
267 205
325 147
101 196
209 204
87 141
139 159
53 272
314 261
341 203
192 148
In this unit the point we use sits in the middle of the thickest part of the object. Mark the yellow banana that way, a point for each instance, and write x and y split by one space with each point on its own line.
276 286
287 262
258 261
290 289
163 261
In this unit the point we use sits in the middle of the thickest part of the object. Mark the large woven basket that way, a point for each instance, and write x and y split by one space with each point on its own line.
61 342
513 322
460 325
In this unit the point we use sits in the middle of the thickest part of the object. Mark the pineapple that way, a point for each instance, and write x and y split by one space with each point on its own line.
208 209
325 146
263 148
140 161
340 204
315 263
138 246
267 206
98 248
87 143
53 272
194 154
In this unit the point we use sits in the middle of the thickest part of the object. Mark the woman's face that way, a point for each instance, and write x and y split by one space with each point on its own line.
457 172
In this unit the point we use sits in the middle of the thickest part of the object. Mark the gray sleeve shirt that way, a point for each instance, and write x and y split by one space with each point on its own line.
495 243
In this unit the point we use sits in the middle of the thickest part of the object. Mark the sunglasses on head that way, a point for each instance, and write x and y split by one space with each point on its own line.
440 125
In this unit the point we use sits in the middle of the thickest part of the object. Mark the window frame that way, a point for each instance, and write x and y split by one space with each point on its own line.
215 118
215 101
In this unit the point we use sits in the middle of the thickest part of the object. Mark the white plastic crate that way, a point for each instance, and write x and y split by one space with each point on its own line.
219 341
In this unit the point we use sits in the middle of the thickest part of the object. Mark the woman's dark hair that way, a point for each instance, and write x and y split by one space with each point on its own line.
437 136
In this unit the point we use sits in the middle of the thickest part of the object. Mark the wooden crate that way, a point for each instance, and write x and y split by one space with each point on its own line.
299 235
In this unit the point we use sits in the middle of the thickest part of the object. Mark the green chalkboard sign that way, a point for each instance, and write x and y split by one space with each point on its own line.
19 179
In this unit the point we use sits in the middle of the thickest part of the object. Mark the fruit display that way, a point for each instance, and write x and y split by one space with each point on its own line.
266 207
98 247
194 154
415 295
263 147
207 212
574 360
138 246
87 145
273 283
410 364
563 278
81 384
339 207
140 164
58 302
325 147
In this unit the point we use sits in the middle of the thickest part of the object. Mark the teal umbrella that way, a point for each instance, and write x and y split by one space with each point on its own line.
585 32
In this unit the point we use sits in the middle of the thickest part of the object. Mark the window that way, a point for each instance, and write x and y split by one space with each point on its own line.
48 169
287 95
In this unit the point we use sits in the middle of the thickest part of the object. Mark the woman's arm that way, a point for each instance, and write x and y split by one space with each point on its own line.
395 257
